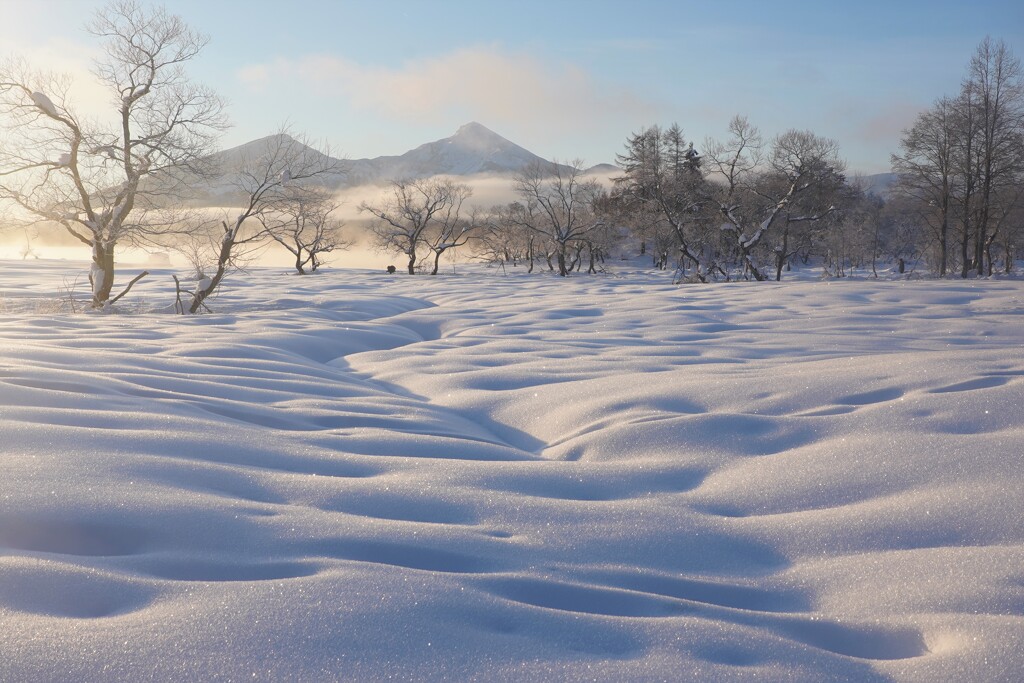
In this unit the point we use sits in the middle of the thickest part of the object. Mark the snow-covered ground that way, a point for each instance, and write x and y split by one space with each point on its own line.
485 477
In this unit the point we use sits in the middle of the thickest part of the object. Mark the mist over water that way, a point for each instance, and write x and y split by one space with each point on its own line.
52 242
360 255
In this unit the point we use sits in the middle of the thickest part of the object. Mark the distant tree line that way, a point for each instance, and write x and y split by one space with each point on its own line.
740 207
961 169
749 208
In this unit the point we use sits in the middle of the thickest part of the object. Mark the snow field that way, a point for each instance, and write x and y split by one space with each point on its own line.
477 477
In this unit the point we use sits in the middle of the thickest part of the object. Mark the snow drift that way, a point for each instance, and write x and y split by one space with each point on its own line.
487 477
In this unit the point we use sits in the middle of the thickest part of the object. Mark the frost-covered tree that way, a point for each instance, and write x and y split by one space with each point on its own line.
420 213
900 235
606 235
302 222
105 182
815 214
503 239
800 171
453 233
558 203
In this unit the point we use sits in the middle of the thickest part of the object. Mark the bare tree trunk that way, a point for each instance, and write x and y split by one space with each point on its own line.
944 239
223 259
577 259
980 239
103 262
749 264
874 250
965 265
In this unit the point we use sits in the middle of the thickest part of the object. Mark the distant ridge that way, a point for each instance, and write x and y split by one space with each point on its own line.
474 149
471 150
879 184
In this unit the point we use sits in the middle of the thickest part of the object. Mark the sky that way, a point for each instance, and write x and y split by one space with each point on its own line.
565 79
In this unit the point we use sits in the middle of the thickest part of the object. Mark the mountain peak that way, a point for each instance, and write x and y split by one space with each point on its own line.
275 139
474 128
474 136
473 149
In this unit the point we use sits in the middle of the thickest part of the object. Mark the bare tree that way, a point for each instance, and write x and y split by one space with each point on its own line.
558 203
198 246
899 239
503 239
265 178
1011 237
302 223
452 233
607 233
817 209
736 161
418 209
753 203
962 162
105 183
966 154
995 80
926 169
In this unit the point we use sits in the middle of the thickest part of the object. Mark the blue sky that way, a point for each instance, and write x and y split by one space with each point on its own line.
565 79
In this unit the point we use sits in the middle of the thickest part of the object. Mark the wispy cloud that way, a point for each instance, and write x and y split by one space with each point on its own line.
513 91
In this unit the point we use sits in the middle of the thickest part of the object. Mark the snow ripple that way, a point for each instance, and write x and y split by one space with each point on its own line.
486 477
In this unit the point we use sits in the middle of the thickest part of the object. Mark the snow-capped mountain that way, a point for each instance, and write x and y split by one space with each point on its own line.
221 186
473 149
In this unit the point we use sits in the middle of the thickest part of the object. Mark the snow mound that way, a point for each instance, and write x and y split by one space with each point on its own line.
496 478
